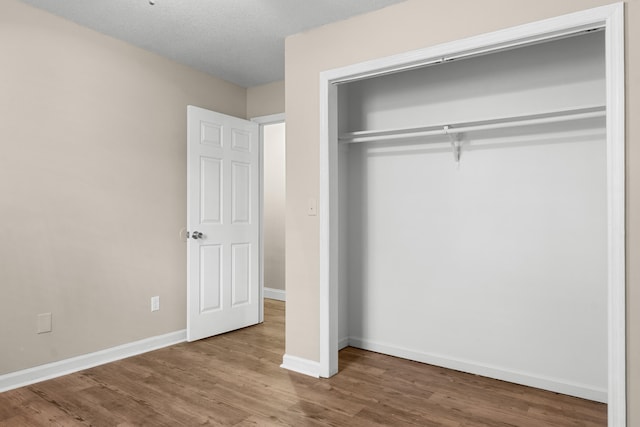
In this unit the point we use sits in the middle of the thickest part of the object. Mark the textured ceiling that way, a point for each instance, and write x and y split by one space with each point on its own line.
241 41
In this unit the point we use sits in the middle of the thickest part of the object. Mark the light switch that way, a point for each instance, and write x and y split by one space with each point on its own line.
44 323
312 207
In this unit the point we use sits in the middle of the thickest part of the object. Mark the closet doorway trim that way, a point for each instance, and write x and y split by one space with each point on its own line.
611 18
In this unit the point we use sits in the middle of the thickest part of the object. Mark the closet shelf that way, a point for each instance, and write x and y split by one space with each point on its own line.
460 127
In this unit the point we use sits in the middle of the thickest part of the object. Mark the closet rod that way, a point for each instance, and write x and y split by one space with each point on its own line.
507 122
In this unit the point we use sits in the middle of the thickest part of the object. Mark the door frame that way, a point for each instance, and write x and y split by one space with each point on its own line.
611 18
263 121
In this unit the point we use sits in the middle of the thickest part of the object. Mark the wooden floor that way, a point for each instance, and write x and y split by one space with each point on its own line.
235 380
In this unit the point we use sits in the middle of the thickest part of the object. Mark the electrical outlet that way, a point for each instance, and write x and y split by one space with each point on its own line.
44 323
155 303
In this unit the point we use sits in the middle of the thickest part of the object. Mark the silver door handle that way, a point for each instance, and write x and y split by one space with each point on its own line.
196 235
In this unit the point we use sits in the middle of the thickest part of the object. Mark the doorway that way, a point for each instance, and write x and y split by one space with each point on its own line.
274 206
273 197
225 210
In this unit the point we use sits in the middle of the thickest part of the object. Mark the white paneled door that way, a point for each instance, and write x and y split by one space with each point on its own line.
223 222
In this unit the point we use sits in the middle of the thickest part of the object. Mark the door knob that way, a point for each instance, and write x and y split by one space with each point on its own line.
196 235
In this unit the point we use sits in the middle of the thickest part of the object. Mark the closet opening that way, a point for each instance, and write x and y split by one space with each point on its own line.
473 213
472 210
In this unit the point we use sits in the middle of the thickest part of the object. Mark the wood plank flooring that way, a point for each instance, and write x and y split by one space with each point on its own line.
235 380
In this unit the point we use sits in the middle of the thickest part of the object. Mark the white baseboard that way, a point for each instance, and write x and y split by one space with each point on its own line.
300 365
552 384
343 342
67 366
277 294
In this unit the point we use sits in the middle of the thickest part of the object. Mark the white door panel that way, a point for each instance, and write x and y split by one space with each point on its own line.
223 205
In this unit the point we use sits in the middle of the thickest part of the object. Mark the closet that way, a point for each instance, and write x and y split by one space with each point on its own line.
473 214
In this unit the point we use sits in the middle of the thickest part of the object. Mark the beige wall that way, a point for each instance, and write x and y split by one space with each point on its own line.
411 25
92 186
265 99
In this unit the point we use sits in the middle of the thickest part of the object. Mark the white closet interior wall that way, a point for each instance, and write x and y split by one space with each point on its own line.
498 265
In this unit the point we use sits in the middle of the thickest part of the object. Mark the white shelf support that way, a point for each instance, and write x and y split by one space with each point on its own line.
456 144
